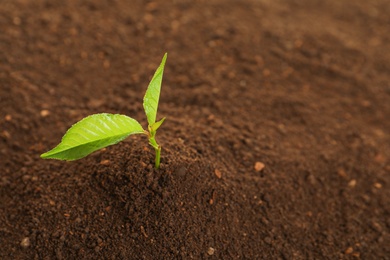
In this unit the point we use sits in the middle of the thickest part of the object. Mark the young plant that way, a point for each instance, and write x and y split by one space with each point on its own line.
101 130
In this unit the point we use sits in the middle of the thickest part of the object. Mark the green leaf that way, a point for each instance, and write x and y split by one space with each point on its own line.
152 94
93 133
157 125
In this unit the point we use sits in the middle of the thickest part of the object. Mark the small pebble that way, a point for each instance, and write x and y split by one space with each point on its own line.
348 251
210 251
378 185
342 173
8 117
352 183
45 113
259 166
25 242
105 162
218 173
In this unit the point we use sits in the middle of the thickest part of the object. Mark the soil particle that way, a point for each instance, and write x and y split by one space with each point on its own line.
44 113
259 166
8 117
210 251
105 162
352 183
348 251
25 242
218 173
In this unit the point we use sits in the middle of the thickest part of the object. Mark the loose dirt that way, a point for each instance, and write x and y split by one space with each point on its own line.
276 143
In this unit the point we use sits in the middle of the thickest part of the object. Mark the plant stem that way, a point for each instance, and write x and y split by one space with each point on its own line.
157 148
157 161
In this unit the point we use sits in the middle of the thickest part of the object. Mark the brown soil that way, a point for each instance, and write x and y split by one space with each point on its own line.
300 87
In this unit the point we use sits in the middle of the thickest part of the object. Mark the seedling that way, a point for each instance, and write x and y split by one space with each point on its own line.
97 131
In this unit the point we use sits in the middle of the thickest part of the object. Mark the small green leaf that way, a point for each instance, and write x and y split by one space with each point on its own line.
152 94
93 133
156 125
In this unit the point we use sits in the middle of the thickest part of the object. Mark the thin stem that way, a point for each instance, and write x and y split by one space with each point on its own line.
157 161
157 148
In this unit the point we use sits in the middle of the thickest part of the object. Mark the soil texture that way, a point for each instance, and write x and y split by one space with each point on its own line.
276 143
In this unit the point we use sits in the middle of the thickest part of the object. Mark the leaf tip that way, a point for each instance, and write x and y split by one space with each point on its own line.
44 155
164 59
47 155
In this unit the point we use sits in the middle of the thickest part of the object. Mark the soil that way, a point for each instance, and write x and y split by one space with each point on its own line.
276 143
